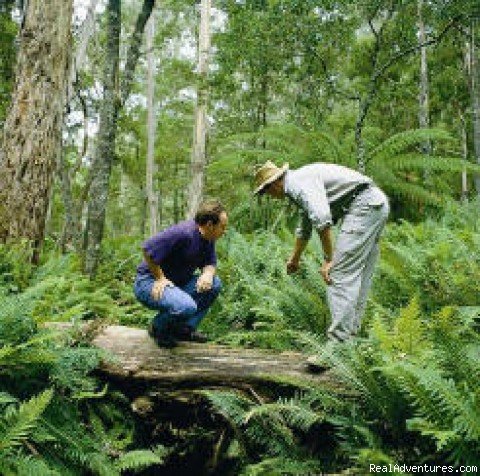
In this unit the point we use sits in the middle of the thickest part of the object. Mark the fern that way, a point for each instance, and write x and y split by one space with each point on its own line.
18 423
138 459
281 467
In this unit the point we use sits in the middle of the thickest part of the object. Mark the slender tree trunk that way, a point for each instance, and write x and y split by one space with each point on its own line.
151 128
78 61
101 167
364 106
113 99
475 94
464 195
32 132
423 96
199 159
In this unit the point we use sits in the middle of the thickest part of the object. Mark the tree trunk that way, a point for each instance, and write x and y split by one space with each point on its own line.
464 195
101 167
423 96
33 127
78 61
475 95
151 128
113 99
195 192
364 106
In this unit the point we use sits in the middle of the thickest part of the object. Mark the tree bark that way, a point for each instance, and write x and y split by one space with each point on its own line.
113 100
423 96
101 167
195 192
151 129
464 194
33 127
475 95
78 61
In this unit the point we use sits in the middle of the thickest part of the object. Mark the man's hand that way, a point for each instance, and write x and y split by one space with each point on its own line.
159 287
204 282
325 271
292 265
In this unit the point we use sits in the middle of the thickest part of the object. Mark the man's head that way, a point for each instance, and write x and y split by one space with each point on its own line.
269 179
211 219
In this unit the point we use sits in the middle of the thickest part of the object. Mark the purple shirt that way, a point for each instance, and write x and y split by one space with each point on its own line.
179 251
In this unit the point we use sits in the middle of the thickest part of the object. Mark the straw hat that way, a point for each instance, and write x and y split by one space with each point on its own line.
267 174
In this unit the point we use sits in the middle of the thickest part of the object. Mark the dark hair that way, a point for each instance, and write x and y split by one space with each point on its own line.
209 210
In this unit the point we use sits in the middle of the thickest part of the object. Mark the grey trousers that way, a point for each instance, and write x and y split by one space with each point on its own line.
354 259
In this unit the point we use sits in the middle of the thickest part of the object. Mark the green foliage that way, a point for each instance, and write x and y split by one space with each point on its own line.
437 261
8 32
139 459
76 427
18 423
270 308
269 433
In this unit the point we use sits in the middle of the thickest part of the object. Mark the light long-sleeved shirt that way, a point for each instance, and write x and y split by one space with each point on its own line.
320 190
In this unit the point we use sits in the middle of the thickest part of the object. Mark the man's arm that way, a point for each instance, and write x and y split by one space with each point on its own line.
327 244
294 260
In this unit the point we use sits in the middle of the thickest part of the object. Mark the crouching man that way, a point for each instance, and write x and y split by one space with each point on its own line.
166 279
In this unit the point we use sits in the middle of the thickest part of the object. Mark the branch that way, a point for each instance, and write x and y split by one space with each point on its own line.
413 48
134 49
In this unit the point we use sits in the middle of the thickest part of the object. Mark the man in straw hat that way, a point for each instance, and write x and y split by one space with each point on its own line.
325 193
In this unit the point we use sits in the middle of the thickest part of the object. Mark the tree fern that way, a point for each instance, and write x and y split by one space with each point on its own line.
387 150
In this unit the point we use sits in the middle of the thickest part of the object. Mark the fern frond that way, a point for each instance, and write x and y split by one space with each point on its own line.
282 467
18 424
439 164
403 140
137 459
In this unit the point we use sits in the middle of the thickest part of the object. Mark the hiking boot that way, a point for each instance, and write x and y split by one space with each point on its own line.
190 335
164 340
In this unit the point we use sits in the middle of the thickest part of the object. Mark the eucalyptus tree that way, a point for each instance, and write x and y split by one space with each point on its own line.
32 131
199 157
423 99
112 102
475 93
152 198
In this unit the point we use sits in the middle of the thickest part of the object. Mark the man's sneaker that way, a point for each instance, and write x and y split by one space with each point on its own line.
188 334
166 341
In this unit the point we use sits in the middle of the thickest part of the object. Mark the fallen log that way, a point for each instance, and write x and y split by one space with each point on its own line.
168 391
189 365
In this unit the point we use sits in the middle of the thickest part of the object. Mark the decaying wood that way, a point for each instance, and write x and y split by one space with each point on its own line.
136 358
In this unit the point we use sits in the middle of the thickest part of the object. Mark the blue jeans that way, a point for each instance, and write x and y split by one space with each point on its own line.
178 306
